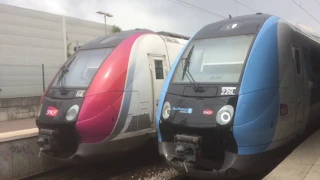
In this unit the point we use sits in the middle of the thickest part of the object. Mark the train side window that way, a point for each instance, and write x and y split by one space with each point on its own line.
158 69
297 59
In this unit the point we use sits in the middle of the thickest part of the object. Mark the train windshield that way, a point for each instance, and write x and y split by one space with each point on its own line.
214 60
82 68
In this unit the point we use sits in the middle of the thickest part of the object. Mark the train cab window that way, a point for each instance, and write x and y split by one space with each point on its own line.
214 60
297 58
83 67
158 69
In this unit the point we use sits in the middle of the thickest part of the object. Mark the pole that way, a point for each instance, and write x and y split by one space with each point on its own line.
105 24
105 19
43 82
77 45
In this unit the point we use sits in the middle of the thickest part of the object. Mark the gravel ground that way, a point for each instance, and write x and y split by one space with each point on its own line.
144 164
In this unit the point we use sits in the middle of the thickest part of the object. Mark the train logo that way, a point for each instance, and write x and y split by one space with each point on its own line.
52 111
183 110
283 109
207 112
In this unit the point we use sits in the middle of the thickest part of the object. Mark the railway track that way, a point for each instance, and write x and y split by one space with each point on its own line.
142 163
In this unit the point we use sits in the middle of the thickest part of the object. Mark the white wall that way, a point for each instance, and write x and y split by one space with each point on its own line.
30 38
83 31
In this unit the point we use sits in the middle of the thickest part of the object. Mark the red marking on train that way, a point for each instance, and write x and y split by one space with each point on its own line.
101 106
207 112
283 109
52 111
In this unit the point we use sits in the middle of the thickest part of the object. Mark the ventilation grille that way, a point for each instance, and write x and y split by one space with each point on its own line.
172 40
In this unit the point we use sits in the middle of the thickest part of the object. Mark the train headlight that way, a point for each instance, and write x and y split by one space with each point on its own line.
72 112
39 110
225 115
166 110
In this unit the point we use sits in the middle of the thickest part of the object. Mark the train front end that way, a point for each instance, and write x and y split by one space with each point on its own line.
80 108
218 108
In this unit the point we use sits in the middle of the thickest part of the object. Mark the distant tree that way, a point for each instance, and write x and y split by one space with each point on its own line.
116 29
68 50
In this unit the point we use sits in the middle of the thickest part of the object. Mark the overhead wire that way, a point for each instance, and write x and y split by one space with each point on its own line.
245 5
292 1
305 11
197 7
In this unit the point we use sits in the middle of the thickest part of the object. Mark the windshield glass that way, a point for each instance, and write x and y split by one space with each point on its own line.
83 67
215 60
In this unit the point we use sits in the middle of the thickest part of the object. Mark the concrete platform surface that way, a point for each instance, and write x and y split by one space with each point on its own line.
302 164
15 125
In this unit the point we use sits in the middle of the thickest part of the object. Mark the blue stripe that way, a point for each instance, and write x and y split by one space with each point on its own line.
166 85
258 104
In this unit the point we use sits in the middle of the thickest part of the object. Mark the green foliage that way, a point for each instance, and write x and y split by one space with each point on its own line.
116 29
68 50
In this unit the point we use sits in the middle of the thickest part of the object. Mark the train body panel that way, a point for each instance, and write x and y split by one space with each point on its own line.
223 112
144 85
103 99
284 130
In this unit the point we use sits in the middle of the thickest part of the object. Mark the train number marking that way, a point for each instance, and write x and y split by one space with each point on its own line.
80 93
228 90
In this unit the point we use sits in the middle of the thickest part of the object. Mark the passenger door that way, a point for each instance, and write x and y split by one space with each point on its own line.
159 70
297 57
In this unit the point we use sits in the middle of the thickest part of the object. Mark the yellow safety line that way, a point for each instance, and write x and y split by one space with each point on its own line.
13 135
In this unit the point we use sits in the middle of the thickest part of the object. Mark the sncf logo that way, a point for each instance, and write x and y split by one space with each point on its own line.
283 109
52 111
207 112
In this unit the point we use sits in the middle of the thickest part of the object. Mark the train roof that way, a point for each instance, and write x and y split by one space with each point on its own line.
305 31
112 40
252 22
245 24
174 35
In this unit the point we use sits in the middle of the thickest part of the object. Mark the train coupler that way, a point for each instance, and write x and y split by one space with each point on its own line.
47 140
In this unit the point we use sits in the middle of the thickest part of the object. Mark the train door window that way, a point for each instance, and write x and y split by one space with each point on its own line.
297 58
158 69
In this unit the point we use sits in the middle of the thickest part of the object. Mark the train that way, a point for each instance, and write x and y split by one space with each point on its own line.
240 90
103 100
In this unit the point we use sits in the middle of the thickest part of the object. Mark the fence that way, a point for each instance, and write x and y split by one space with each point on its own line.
25 80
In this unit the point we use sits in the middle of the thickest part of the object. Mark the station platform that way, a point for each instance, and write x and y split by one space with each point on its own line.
302 164
15 125
16 129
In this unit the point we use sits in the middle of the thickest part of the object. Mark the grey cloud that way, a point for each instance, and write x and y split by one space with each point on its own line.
172 16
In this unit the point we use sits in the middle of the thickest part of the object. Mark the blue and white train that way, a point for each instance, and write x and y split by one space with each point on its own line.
239 90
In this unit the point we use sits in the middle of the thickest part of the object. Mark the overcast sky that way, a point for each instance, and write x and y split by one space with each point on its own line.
172 15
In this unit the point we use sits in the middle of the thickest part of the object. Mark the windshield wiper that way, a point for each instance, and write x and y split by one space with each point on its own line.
186 71
187 63
61 79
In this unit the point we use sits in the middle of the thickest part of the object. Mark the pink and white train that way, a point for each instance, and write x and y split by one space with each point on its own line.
104 98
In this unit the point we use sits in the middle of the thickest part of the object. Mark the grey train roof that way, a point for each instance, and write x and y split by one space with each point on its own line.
174 35
252 22
111 40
